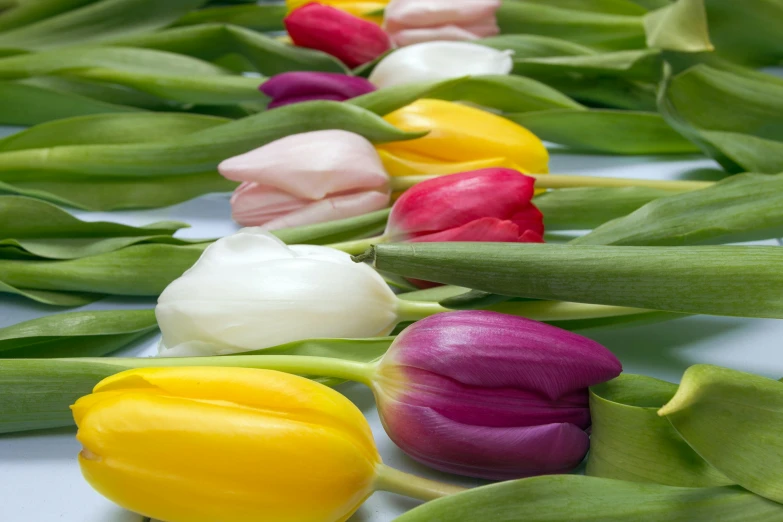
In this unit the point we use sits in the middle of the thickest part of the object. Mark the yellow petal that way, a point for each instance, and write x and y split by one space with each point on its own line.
411 164
185 460
463 134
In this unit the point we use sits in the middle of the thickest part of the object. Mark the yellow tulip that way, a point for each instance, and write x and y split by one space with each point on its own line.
229 444
357 8
461 139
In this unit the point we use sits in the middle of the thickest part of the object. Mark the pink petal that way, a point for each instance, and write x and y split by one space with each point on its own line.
485 229
529 218
402 14
312 165
330 209
253 204
449 32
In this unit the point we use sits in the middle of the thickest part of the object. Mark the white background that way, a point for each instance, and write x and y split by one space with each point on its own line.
40 479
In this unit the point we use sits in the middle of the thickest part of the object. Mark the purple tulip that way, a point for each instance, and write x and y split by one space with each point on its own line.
491 395
302 86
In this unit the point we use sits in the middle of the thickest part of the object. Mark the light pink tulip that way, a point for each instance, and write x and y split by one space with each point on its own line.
307 178
415 21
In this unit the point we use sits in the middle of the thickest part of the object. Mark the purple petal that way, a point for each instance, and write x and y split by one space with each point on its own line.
299 99
315 86
492 350
480 451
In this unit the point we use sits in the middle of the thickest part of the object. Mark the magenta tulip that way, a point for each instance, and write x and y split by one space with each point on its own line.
301 86
347 37
491 395
491 205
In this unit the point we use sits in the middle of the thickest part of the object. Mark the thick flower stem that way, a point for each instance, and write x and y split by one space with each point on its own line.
299 364
556 181
416 310
358 246
394 480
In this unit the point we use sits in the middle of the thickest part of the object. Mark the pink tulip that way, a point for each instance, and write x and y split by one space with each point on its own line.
347 37
491 395
491 205
414 21
307 178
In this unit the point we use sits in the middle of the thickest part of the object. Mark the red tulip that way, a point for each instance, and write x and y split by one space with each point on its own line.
349 38
491 205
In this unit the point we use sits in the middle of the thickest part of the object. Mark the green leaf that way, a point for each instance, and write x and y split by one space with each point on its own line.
743 281
385 101
535 46
574 498
586 208
76 334
606 131
701 103
625 7
261 18
212 41
47 231
98 21
598 30
348 229
109 129
630 441
615 321
743 208
642 65
105 92
27 12
734 421
36 393
681 26
137 270
747 32
52 298
116 193
29 105
193 153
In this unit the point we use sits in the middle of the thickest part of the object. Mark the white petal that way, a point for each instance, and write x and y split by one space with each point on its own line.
431 61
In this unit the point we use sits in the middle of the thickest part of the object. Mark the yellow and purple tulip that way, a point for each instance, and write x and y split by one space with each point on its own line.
491 395
229 444
301 86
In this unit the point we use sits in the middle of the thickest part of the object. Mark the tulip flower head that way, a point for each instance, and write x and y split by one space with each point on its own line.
361 8
300 86
490 395
484 205
230 444
347 37
250 291
461 139
433 61
307 178
414 21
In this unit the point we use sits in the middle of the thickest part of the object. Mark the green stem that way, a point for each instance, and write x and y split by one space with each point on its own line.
300 364
562 310
415 310
556 181
394 480
358 246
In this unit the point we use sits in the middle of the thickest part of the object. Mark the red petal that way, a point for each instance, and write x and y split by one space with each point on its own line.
491 230
529 218
353 40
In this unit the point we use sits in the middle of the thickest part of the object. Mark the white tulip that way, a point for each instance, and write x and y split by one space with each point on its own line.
432 61
250 291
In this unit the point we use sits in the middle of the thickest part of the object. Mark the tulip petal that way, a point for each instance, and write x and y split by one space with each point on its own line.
492 230
430 61
299 86
530 219
411 164
347 37
449 33
401 14
253 204
449 202
493 350
311 165
484 452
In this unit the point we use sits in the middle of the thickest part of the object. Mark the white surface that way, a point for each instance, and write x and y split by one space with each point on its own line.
40 479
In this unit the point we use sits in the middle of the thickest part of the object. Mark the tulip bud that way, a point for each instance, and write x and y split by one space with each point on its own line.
461 138
250 291
350 39
302 86
433 61
484 205
307 178
362 8
490 395
231 444
413 21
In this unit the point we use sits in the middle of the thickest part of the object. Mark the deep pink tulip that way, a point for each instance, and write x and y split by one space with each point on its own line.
491 395
415 21
492 205
347 37
302 86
